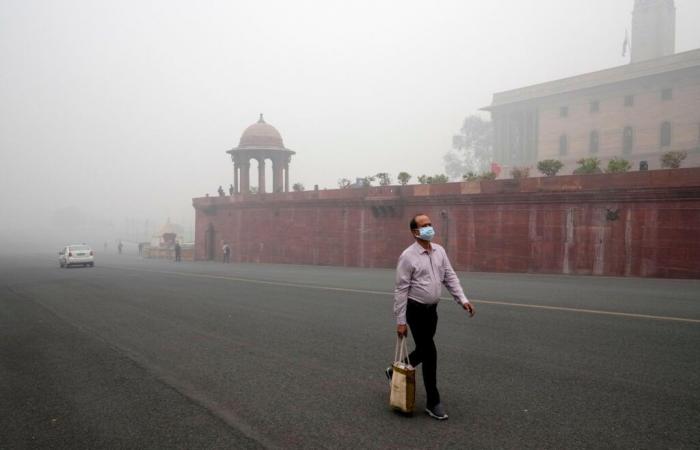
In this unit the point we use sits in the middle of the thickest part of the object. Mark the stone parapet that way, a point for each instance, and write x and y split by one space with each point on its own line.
631 224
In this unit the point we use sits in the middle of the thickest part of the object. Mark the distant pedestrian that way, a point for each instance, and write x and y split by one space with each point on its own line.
178 252
119 247
230 189
221 192
422 270
227 252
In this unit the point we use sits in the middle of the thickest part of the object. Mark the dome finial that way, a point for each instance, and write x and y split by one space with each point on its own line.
261 120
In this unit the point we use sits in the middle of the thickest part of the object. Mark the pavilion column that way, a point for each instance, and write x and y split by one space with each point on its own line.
245 176
235 177
261 176
276 176
286 177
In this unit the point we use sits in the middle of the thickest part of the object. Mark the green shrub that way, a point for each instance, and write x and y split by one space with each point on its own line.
618 165
549 167
673 160
435 179
520 172
588 166
472 176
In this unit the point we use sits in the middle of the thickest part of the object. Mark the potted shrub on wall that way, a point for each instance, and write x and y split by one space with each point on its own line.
673 160
520 172
618 165
470 176
588 166
549 167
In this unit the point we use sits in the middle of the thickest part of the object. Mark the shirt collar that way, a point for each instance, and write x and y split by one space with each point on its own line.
419 248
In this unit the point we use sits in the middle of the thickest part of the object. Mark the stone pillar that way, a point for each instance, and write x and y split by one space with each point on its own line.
286 177
235 177
261 175
277 175
245 176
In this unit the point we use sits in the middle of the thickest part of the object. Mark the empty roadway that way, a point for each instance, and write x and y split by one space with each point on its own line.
144 353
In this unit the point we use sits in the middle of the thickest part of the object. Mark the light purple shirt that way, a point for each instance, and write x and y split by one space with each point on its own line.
420 275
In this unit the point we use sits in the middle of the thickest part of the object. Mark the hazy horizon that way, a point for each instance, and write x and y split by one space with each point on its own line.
124 110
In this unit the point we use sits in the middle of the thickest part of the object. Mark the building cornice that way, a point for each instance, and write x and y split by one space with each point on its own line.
628 72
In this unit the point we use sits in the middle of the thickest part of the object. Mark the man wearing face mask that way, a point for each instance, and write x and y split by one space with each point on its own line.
422 270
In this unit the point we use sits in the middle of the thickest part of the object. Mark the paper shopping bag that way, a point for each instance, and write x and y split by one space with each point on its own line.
403 381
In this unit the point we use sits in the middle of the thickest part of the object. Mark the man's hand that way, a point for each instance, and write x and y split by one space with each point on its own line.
468 306
402 330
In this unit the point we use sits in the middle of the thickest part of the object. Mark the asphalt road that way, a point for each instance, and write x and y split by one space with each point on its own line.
152 354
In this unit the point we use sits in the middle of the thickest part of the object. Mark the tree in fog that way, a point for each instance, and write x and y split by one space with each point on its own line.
366 181
472 148
384 179
404 178
298 187
344 183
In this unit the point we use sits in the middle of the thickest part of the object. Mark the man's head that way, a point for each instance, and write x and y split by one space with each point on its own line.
418 222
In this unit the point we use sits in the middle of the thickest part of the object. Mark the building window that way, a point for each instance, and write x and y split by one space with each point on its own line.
595 106
627 140
563 145
594 142
564 111
667 94
665 135
629 100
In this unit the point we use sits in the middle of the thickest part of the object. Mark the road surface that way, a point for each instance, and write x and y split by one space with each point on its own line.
138 353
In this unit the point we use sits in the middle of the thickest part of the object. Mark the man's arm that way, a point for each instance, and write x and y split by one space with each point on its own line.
454 287
404 272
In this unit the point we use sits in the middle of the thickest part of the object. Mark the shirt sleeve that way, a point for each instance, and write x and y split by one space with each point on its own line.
404 272
452 283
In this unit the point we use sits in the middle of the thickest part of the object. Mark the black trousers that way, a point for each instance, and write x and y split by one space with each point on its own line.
422 320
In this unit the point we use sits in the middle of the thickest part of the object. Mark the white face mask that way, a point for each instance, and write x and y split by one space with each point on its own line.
426 233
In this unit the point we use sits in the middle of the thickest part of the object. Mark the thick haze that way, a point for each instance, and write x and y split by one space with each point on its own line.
125 109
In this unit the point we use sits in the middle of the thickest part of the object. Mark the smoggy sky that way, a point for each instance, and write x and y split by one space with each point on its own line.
125 108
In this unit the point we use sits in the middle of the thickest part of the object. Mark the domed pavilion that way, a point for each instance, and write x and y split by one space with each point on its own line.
261 141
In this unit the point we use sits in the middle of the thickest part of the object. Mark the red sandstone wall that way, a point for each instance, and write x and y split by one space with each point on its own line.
537 225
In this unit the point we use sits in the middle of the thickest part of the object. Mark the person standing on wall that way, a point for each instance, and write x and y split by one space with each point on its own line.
422 270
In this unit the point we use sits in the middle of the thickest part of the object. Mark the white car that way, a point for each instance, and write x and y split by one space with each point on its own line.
76 255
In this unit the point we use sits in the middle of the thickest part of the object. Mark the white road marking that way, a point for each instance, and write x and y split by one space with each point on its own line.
365 291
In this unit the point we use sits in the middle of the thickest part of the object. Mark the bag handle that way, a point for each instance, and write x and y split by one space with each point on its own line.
401 350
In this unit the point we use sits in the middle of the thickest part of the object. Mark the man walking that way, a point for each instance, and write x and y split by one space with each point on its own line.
422 270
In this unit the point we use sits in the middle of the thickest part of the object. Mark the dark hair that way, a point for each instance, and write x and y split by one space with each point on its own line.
413 224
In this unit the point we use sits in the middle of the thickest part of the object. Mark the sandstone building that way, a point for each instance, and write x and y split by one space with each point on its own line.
637 111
